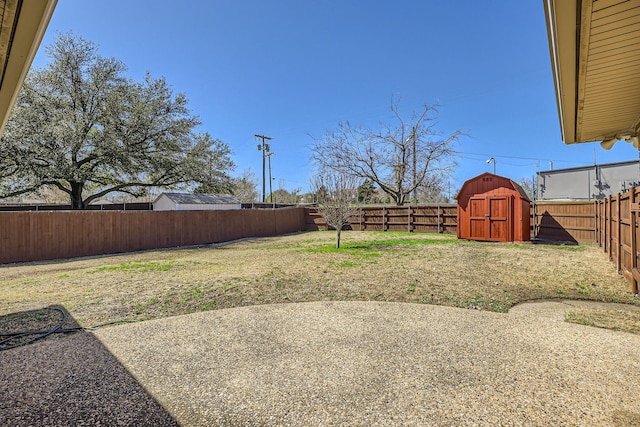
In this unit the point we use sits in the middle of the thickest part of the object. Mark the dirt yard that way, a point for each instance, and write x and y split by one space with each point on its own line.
407 267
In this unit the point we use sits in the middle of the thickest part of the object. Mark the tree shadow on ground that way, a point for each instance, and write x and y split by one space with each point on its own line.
67 379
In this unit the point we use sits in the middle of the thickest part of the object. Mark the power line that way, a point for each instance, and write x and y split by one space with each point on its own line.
461 154
484 159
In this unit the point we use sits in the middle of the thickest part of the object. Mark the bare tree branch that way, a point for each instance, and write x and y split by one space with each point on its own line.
397 158
337 198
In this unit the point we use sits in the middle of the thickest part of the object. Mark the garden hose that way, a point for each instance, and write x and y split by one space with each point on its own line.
9 340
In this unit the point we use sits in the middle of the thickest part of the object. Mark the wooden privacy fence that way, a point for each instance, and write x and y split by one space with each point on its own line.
556 221
617 233
425 219
35 236
564 221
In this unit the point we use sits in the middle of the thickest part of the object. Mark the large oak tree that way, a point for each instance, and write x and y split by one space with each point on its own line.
81 126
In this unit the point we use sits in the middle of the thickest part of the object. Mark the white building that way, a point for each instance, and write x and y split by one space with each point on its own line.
588 182
195 202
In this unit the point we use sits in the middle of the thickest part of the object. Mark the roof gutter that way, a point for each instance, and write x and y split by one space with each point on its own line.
553 49
563 27
30 23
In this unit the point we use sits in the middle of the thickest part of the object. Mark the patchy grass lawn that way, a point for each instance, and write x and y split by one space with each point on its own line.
389 266
618 320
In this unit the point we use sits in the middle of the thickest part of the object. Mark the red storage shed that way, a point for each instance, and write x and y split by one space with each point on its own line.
493 208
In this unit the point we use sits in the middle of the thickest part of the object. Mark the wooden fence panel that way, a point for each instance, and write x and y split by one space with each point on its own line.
618 233
285 217
421 219
374 219
259 223
564 221
36 236
624 236
429 219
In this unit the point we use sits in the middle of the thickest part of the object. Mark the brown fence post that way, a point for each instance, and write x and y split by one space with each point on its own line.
596 213
603 224
536 226
602 206
618 235
384 216
634 243
609 229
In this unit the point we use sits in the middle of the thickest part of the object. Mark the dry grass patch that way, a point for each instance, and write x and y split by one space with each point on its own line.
390 266
618 320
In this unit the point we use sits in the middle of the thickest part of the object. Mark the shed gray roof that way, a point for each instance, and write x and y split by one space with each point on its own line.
201 199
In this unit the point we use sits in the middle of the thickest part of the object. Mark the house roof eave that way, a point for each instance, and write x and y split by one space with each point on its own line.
596 68
22 29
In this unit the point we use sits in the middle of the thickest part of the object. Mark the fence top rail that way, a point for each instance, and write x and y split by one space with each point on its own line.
420 205
561 202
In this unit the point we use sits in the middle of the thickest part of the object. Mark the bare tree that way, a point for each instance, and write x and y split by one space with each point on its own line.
337 195
245 187
433 189
284 196
398 159
529 187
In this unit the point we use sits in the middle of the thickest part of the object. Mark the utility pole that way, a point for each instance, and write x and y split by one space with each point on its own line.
264 147
536 196
269 155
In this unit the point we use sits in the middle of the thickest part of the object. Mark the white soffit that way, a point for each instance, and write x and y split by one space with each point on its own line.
595 54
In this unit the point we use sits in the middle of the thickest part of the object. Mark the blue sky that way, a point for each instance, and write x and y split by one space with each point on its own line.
293 68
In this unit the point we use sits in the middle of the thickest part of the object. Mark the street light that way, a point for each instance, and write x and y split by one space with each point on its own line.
492 160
